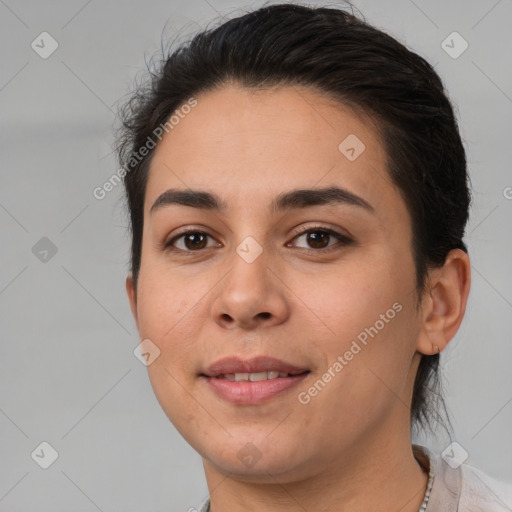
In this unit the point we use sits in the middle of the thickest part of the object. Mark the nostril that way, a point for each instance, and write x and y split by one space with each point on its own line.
265 315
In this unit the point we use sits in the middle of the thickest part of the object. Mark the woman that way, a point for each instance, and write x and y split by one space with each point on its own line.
298 194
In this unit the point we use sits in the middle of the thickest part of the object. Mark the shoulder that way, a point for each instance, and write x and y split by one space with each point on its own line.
480 492
465 488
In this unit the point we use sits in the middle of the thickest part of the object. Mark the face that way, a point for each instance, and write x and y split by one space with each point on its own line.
251 276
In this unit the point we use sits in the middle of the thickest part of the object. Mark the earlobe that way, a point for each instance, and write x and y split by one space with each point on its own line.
444 302
131 291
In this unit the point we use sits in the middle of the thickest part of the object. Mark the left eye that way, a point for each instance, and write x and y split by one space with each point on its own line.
322 238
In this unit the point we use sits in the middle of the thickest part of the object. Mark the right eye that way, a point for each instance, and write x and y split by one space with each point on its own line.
189 241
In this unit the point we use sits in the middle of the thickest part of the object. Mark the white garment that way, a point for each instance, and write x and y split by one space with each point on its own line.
461 489
465 488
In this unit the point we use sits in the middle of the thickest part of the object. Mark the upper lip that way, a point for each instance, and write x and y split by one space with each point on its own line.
257 364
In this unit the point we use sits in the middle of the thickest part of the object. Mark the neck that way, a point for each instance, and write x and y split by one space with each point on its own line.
384 475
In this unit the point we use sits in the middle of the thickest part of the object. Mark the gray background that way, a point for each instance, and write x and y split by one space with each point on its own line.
68 374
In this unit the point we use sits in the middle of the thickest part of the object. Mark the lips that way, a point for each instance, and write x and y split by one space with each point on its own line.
252 381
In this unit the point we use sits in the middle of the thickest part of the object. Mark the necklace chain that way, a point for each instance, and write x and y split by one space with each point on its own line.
430 482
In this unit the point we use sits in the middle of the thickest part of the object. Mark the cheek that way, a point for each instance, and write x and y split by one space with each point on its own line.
166 303
365 376
369 326
167 310
355 294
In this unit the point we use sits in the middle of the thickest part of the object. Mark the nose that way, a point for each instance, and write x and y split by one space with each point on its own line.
250 296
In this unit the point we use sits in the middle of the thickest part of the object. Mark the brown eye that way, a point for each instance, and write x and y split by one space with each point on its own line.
189 241
321 238
195 241
318 239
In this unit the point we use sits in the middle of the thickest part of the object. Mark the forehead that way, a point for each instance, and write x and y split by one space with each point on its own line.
250 145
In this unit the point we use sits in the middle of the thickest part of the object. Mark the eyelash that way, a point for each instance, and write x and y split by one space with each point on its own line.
343 240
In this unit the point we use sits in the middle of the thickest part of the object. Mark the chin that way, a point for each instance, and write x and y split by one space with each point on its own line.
262 472
261 461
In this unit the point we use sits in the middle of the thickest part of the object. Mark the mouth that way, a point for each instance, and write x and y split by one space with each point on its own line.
255 366
254 376
252 381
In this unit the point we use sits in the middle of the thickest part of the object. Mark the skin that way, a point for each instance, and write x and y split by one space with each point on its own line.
349 448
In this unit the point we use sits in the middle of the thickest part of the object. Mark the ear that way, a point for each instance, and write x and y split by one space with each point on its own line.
444 302
132 297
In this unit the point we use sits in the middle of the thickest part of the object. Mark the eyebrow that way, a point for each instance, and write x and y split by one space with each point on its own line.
294 199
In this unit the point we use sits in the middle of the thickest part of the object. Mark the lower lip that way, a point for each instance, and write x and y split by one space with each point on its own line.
250 393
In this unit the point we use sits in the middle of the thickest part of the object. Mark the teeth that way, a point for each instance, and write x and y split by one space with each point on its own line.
252 377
